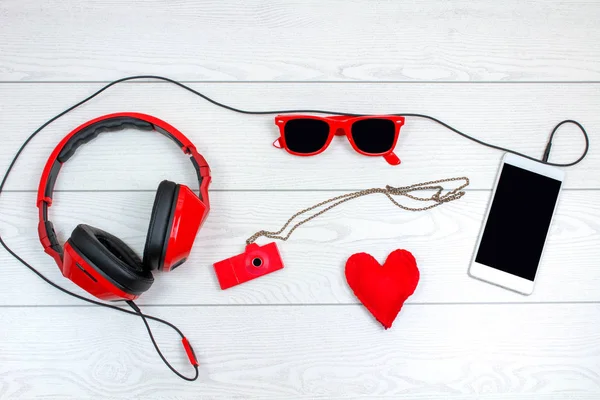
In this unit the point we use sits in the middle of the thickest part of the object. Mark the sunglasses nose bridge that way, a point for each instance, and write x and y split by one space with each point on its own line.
339 131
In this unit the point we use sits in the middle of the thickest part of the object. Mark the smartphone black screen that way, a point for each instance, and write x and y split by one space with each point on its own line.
518 222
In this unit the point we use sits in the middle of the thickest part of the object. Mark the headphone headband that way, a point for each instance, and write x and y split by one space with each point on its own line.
88 131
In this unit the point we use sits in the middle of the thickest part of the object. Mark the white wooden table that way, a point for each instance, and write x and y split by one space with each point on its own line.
505 72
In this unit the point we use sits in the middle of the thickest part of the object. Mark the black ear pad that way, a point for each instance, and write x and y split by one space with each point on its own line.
160 225
112 257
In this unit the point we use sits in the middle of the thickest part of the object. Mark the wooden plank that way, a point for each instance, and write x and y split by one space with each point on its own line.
442 240
238 147
317 352
301 40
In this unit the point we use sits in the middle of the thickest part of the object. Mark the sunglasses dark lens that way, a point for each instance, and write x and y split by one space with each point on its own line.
374 136
306 136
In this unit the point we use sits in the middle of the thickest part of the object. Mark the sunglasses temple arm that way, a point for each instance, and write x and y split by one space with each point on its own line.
392 158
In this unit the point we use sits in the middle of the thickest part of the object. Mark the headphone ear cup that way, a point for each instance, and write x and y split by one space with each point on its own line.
161 222
187 217
110 258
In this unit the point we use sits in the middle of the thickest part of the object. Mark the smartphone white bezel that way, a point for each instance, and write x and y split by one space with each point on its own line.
495 276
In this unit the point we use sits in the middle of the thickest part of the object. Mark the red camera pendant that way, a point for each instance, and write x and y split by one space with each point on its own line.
254 262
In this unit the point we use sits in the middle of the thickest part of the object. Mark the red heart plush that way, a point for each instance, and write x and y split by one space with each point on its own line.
383 289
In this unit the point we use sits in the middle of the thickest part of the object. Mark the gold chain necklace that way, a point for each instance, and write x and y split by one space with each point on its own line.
438 198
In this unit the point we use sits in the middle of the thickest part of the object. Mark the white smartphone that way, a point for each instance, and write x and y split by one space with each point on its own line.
511 243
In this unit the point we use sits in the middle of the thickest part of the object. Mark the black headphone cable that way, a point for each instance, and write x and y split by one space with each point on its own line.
145 317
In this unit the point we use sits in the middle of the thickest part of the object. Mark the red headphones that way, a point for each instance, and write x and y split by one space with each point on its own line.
103 264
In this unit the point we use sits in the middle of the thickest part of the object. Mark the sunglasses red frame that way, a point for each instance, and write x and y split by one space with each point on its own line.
340 125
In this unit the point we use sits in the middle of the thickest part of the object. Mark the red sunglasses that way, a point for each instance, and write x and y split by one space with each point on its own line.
308 135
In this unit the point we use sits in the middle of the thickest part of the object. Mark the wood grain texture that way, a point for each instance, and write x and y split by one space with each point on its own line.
301 40
512 70
319 352
442 241
238 147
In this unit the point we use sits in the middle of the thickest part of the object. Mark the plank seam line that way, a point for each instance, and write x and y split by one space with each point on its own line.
252 190
312 82
591 302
